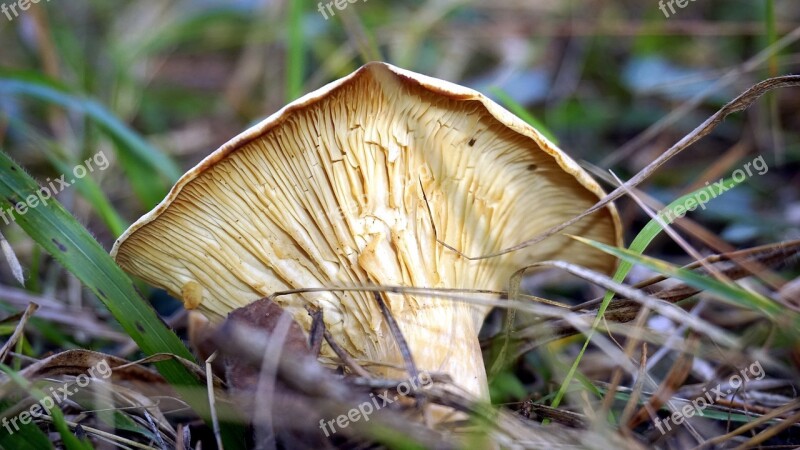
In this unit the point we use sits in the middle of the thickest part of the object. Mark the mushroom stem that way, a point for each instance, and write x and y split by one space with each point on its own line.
443 339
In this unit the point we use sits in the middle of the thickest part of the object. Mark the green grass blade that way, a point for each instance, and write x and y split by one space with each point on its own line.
53 228
28 437
512 105
70 441
42 89
87 187
71 245
653 228
295 64
642 240
92 193
141 179
772 36
730 292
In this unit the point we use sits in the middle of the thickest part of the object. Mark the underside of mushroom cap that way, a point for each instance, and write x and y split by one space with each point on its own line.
350 186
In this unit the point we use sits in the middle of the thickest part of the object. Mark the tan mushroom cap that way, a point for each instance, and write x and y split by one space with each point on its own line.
331 191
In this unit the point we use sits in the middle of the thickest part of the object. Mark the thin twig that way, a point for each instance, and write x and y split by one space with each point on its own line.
777 412
211 400
32 307
154 429
402 344
348 360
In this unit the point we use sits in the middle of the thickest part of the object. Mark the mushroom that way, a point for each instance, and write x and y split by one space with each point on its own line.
351 185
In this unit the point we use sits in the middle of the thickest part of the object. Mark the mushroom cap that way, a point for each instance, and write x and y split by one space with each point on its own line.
350 185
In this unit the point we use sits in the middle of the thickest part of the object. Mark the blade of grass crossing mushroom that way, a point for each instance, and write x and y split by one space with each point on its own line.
53 228
267 379
642 240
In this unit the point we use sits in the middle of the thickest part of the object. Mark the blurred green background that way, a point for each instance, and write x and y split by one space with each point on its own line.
157 85
151 81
